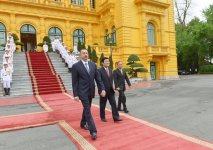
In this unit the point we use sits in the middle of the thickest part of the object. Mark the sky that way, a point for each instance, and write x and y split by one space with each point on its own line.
197 8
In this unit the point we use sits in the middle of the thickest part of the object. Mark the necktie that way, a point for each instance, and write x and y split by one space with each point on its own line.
107 71
121 71
87 67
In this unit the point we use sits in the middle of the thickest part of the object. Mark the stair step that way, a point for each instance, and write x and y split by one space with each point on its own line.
61 69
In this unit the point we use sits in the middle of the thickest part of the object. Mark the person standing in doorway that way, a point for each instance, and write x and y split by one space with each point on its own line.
84 73
45 47
120 77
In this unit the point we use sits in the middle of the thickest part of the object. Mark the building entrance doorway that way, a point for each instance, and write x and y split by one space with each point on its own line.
28 37
29 41
153 70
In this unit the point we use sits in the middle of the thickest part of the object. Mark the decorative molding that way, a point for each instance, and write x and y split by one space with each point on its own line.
159 3
156 7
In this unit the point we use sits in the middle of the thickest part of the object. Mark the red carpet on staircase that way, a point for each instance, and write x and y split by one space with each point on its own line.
43 76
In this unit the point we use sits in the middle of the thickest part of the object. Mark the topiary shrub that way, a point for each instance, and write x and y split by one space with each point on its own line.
48 41
134 66
16 40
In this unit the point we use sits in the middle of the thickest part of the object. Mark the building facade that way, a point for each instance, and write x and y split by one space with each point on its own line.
142 27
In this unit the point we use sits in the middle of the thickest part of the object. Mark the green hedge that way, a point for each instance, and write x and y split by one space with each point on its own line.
206 69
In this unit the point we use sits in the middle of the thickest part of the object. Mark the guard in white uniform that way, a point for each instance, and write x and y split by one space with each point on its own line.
71 60
6 78
7 57
11 46
53 45
56 44
10 38
45 47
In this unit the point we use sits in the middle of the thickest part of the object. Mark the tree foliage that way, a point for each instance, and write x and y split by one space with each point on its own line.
94 56
80 46
182 10
134 66
102 56
195 42
16 40
111 62
48 42
89 51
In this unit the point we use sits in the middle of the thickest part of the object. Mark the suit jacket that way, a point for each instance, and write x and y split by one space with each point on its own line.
108 82
120 78
83 82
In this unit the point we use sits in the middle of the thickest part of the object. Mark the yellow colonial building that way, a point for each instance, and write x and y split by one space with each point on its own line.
141 27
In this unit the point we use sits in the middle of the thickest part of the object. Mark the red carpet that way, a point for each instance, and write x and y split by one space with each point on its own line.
130 134
17 101
43 76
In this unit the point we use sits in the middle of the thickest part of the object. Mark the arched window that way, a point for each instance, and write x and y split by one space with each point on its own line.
55 32
151 33
92 4
2 35
28 29
78 35
113 35
77 2
106 37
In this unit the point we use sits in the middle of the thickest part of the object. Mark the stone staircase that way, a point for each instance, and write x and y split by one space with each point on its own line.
61 70
21 84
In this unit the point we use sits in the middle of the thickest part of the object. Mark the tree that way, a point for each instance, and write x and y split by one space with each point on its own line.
134 66
102 56
182 10
83 46
80 46
195 42
111 62
208 14
94 56
48 42
89 51
16 40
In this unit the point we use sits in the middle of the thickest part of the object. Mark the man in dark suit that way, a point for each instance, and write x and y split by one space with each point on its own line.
107 78
119 78
84 73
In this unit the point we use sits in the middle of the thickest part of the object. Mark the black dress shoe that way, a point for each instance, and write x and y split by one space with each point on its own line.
126 111
94 135
85 127
104 120
116 120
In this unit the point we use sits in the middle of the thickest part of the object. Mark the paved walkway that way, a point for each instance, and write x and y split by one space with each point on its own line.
61 110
